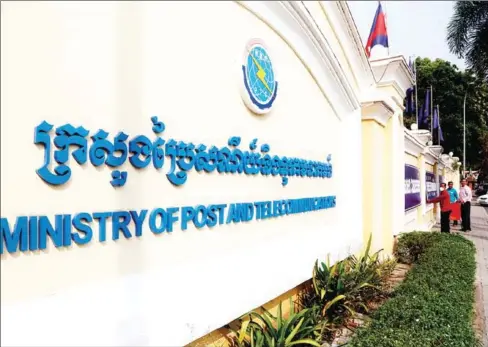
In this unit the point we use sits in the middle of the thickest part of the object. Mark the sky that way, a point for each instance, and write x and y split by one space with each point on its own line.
414 27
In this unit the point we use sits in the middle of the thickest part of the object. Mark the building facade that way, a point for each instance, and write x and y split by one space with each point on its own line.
182 163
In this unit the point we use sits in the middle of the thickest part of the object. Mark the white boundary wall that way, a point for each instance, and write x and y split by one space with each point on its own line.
114 65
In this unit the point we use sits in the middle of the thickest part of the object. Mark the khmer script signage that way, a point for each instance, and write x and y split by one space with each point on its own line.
30 233
142 151
412 187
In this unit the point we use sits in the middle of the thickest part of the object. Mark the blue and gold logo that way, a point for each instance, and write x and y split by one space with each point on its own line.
259 78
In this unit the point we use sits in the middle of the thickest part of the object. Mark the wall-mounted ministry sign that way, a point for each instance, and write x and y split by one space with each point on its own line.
412 187
260 85
430 185
28 233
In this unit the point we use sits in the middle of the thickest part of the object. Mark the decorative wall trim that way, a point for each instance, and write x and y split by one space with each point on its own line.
445 159
377 110
399 103
313 31
328 9
394 72
354 34
347 36
412 145
423 136
430 158
436 150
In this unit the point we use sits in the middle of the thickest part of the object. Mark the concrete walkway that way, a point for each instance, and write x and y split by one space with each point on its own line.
479 236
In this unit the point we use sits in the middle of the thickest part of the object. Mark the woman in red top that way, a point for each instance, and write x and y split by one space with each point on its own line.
445 201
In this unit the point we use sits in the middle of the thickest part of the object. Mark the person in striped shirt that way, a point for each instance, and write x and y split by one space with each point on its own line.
465 196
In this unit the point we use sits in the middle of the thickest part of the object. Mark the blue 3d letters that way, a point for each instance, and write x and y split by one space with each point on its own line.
142 151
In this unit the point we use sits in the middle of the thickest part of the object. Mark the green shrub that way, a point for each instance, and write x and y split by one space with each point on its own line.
434 305
411 245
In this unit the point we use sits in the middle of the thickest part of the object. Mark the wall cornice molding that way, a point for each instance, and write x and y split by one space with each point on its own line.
393 72
412 145
378 110
430 158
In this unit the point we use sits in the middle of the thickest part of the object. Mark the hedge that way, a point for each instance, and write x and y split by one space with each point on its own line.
434 305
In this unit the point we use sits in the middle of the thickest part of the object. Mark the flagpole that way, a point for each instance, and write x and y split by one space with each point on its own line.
464 134
431 112
386 24
438 126
416 94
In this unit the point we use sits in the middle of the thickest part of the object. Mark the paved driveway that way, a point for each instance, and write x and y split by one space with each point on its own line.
479 235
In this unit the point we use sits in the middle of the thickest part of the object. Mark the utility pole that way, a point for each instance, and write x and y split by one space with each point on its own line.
416 94
464 134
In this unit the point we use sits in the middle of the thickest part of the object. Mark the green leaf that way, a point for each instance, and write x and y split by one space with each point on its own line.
294 332
268 324
304 342
332 302
279 318
243 331
340 285
368 246
350 310
314 277
366 309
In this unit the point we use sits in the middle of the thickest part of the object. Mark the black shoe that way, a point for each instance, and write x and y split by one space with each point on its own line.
463 230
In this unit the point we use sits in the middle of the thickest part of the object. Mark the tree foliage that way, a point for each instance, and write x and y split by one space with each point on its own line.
450 85
467 35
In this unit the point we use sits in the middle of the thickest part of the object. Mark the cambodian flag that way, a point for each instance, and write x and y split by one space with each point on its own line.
378 34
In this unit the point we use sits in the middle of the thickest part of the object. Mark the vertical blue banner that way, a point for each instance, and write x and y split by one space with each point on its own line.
430 185
412 187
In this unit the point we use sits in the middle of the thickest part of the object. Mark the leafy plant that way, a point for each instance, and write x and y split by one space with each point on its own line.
337 293
434 305
467 34
240 338
412 245
340 291
372 273
266 330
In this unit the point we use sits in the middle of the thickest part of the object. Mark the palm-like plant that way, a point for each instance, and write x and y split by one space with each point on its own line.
266 330
467 35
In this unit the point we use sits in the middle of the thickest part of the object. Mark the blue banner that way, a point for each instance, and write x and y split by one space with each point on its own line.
412 187
430 185
441 180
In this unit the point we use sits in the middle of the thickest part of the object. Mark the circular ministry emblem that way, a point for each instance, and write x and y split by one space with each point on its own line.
260 86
